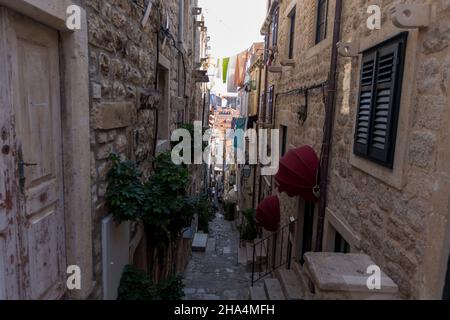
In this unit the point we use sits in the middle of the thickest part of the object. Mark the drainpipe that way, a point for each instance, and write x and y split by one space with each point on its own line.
255 174
155 142
329 122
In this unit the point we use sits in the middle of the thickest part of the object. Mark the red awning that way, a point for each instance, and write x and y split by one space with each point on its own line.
297 174
268 214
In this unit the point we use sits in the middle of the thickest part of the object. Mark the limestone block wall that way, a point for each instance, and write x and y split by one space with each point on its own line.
122 57
399 217
402 227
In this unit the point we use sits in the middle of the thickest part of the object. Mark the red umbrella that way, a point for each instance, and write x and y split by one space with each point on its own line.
297 173
268 213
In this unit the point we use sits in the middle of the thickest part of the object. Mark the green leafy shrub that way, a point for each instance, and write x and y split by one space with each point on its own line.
229 210
125 194
249 229
205 213
161 203
167 208
136 285
170 289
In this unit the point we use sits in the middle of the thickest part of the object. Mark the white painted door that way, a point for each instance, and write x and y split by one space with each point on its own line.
33 167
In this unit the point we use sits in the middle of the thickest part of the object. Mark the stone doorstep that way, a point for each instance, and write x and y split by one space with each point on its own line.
345 273
293 287
258 294
200 242
273 289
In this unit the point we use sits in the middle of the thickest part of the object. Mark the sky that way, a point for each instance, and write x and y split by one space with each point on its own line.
233 24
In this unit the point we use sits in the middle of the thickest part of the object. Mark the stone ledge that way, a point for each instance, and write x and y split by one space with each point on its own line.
337 272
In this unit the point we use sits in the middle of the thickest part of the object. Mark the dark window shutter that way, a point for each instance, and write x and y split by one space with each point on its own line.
362 131
379 100
385 110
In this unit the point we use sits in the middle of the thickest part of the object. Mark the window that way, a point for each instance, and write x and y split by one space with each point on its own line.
270 97
291 33
275 18
322 16
340 245
266 48
379 101
284 133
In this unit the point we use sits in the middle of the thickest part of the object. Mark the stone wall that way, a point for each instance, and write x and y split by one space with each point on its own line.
399 217
123 98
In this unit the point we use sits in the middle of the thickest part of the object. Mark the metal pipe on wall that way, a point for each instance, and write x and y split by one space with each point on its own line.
329 123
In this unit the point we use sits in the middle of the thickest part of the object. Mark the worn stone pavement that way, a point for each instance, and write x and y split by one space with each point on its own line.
216 274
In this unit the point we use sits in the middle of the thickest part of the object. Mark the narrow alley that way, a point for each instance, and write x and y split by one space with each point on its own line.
248 150
216 274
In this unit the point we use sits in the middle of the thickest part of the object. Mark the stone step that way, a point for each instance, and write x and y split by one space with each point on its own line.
303 278
260 252
242 256
200 242
258 294
292 286
249 253
273 289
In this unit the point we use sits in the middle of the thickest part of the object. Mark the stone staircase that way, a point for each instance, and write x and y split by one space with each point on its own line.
245 256
288 285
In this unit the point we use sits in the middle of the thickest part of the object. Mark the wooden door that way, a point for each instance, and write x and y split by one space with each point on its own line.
37 216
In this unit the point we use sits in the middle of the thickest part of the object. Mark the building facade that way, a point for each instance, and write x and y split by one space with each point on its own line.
387 187
127 76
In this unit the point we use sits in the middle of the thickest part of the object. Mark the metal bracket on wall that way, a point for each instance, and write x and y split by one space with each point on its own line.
200 24
196 11
348 49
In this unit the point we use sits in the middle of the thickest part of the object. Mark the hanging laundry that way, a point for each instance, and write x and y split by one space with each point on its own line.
231 76
241 68
239 137
219 68
225 64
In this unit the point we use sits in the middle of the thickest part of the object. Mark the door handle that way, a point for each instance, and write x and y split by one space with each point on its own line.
21 166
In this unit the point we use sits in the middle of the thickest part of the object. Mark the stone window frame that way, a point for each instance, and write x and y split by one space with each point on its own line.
292 22
393 177
316 49
75 130
317 38
334 222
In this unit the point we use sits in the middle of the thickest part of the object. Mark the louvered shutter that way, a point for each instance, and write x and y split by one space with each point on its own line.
363 118
379 101
385 110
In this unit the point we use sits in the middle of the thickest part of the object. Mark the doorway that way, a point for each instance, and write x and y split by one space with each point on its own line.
34 130
308 229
